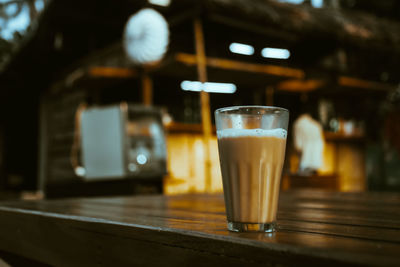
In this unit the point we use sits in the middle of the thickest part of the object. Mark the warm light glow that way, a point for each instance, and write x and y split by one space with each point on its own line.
160 2
278 53
242 49
210 87
186 165
166 119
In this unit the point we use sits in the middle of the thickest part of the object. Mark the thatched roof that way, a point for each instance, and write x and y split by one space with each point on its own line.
348 27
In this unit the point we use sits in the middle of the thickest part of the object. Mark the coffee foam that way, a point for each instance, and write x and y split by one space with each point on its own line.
278 133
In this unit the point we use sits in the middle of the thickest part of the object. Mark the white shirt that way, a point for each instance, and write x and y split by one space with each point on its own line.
309 140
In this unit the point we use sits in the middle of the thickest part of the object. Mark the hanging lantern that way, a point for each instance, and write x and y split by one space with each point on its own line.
146 37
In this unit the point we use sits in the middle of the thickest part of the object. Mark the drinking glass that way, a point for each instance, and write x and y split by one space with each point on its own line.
251 144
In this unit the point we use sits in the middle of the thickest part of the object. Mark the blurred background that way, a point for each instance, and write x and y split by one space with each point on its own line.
117 97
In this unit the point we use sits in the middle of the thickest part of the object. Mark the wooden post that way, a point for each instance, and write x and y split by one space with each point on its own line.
204 99
43 144
32 10
147 89
270 95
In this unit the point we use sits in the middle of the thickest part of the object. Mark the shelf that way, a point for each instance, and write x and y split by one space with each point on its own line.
195 128
336 137
314 181
192 128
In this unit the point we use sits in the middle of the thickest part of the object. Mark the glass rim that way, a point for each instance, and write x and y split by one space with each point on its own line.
231 108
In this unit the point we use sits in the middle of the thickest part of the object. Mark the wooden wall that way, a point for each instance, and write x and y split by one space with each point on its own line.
57 131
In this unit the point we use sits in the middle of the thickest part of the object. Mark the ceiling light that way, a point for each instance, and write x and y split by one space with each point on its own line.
278 53
242 49
210 87
160 2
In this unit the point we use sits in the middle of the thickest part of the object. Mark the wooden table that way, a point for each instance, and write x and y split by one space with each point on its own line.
316 228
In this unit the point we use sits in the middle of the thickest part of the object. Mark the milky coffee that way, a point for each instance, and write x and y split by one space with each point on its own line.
251 166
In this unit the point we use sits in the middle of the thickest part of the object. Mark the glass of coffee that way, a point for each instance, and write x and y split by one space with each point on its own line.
251 143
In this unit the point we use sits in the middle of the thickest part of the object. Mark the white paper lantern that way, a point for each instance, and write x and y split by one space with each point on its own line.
146 36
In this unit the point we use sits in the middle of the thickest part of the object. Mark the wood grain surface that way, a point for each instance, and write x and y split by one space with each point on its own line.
318 228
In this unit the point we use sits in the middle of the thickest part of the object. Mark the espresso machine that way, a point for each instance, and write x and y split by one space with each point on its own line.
120 150
122 141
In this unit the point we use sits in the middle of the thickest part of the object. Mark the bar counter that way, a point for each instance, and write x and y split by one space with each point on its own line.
318 228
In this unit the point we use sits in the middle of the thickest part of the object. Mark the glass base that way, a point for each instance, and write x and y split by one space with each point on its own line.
251 227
